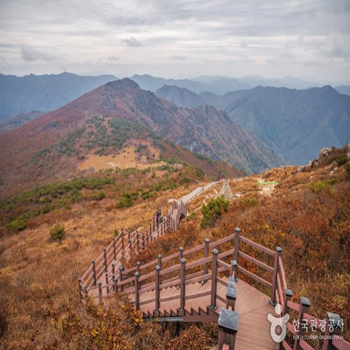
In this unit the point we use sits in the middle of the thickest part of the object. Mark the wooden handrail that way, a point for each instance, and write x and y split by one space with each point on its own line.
257 246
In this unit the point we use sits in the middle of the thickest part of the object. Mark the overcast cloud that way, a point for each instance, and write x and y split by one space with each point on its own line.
178 38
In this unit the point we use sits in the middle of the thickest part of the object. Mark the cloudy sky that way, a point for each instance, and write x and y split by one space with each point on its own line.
178 38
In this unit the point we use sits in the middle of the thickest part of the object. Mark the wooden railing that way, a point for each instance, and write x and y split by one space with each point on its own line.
110 263
195 265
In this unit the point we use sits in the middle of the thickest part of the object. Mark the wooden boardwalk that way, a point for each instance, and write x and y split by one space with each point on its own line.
252 306
193 285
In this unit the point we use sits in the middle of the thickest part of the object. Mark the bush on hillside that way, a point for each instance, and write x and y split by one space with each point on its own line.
213 210
57 232
342 159
127 199
18 224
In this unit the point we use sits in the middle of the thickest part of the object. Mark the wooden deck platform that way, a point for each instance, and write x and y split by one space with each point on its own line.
252 306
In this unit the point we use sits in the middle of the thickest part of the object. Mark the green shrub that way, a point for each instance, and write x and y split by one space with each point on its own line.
249 202
192 216
185 180
57 232
97 196
18 224
317 187
213 210
342 159
127 199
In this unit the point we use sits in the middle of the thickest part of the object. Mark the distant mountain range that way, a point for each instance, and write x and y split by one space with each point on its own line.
19 120
43 92
91 125
220 85
295 123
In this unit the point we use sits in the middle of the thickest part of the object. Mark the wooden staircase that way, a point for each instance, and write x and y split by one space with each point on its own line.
185 287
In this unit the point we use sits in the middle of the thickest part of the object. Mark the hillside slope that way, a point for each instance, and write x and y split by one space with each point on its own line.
43 92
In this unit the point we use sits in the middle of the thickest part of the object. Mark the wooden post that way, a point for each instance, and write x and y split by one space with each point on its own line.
206 254
147 236
115 280
231 293
94 271
138 266
160 260
334 325
181 253
80 289
122 237
288 297
157 284
303 308
150 229
100 290
105 258
113 270
137 288
138 241
182 284
228 327
129 238
114 250
130 249
123 247
236 244
121 269
214 280
275 273
107 288
234 270
143 241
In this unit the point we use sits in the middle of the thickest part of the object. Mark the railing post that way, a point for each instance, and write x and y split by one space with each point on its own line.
121 269
303 308
107 288
182 284
115 280
147 236
234 270
206 254
94 271
86 291
100 290
157 278
334 325
114 250
143 241
160 260
122 239
138 264
275 273
105 258
113 270
80 289
137 241
288 296
181 253
137 288
150 229
236 244
231 293
228 327
214 280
